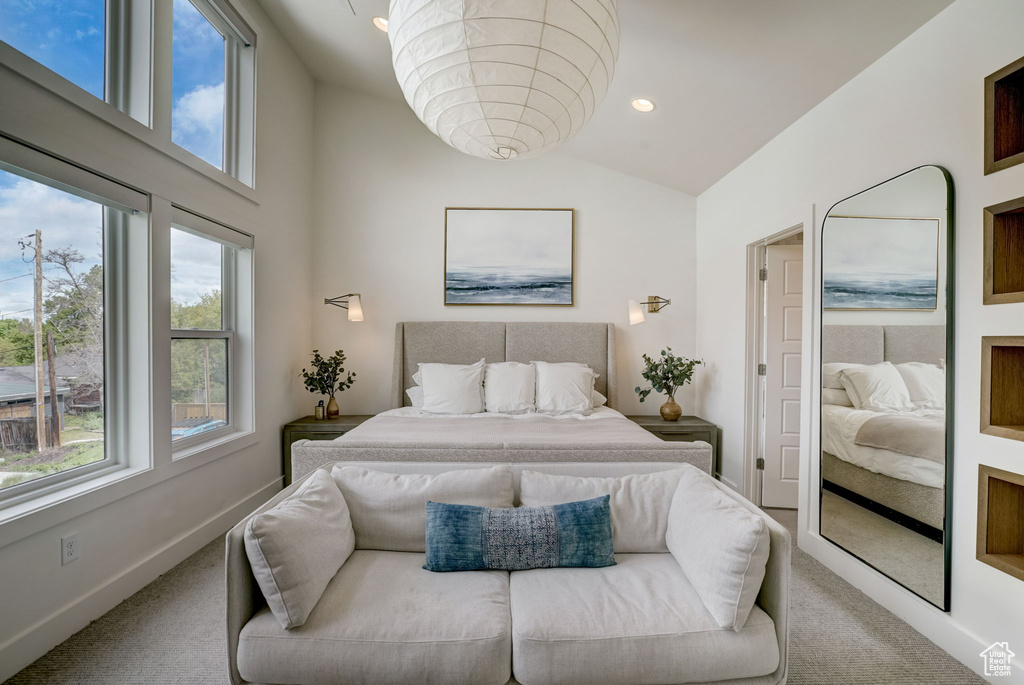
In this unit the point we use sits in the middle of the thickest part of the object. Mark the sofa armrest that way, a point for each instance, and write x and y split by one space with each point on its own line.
774 595
244 597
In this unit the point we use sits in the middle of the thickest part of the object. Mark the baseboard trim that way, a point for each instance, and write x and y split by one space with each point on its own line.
39 638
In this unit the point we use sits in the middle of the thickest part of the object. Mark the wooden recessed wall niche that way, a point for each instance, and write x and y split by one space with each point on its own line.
1001 520
1004 252
1002 387
1004 117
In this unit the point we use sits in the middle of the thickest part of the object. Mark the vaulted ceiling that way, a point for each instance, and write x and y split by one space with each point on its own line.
727 76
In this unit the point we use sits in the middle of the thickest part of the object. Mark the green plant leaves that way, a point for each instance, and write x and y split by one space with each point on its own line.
326 376
666 374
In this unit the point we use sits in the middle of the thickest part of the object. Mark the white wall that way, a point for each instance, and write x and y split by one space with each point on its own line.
382 183
921 103
129 541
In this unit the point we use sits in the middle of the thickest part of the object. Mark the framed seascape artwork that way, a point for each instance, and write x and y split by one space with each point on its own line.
508 256
881 263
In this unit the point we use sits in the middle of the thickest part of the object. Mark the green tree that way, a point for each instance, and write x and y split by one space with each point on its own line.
16 346
73 310
188 357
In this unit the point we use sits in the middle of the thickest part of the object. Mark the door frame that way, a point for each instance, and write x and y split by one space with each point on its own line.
753 420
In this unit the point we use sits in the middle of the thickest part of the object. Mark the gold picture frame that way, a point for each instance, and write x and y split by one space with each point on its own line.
509 256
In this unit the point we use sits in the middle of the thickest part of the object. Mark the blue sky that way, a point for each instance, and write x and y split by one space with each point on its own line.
68 37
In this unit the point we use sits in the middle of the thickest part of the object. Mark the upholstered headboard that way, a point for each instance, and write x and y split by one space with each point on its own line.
466 342
876 344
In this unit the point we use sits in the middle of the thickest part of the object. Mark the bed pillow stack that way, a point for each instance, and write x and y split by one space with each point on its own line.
926 384
878 387
506 388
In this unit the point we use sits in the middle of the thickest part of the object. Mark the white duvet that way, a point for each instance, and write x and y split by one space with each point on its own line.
414 413
839 426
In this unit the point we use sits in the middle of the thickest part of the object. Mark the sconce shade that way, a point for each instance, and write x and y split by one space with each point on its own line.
355 308
636 313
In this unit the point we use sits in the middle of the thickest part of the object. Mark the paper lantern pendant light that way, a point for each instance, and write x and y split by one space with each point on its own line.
504 79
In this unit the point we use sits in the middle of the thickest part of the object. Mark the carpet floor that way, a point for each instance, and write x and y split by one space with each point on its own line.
172 633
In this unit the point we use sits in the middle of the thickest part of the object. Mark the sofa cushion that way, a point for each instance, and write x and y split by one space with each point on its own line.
461 537
721 546
639 502
640 621
296 548
389 510
384 620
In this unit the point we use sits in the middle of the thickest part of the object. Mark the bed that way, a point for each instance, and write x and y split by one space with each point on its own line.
407 434
905 482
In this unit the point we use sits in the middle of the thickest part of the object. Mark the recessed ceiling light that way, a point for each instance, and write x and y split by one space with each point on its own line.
381 23
643 105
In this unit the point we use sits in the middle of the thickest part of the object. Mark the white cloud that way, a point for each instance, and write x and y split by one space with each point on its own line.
63 219
195 266
198 122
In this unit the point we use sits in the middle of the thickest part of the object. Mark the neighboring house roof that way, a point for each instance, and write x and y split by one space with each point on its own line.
16 385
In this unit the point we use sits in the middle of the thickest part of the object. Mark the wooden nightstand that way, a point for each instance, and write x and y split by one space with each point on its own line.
686 429
309 428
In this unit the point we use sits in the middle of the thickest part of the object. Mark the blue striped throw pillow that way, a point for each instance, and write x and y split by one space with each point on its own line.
461 537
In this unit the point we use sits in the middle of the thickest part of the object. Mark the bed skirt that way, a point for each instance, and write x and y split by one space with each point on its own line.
919 502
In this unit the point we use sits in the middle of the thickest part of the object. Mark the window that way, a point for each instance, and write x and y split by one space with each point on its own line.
209 329
212 92
59 247
67 37
197 120
105 47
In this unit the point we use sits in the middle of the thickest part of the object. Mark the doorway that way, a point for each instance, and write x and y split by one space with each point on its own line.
774 339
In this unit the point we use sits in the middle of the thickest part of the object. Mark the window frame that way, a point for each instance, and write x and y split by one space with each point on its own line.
236 329
137 91
122 207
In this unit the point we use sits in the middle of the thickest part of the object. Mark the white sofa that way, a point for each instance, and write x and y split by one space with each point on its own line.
384 620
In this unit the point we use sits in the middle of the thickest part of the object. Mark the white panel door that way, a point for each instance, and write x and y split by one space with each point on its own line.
784 291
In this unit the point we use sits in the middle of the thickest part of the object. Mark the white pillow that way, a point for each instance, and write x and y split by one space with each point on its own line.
830 374
415 394
926 384
599 399
453 388
639 503
565 388
296 547
510 387
833 396
389 510
721 546
878 387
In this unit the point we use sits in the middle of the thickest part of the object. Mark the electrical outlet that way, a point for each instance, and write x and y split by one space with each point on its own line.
69 549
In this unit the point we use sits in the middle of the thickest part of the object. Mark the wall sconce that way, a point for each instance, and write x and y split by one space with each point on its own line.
351 302
654 305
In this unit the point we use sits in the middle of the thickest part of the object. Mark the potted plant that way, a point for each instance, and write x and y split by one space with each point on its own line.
325 378
667 375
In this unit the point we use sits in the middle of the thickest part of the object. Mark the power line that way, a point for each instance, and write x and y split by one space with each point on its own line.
4 280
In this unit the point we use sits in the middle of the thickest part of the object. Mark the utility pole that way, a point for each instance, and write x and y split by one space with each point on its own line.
40 396
55 415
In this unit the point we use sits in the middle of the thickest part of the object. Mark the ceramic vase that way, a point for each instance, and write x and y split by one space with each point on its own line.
332 409
671 411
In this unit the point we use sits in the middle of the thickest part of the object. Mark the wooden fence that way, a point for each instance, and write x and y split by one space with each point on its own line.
197 410
17 411
19 435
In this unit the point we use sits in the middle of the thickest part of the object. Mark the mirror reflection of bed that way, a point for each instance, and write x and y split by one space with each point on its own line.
884 353
883 472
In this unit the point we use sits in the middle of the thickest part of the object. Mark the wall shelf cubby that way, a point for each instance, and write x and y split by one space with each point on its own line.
1001 520
1004 252
1002 386
1004 117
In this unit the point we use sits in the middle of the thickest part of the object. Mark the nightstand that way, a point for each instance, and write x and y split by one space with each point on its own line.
309 428
686 429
